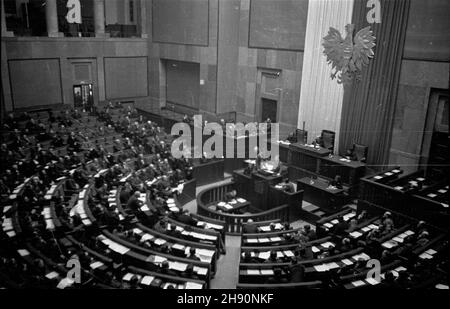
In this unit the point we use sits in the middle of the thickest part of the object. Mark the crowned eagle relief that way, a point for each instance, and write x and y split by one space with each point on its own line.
347 56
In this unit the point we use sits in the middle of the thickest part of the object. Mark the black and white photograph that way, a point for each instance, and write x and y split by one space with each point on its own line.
255 150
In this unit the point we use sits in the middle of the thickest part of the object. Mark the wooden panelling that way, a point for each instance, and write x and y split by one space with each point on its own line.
278 24
182 83
126 77
35 82
427 36
181 21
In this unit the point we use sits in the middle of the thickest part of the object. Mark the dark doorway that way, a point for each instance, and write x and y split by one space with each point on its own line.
83 96
438 167
268 110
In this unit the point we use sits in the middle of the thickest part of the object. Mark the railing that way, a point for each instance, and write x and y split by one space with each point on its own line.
188 193
122 31
297 285
234 222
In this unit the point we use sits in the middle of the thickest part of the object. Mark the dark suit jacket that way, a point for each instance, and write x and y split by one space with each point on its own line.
289 188
124 196
340 228
249 228
133 203
297 272
311 235
186 219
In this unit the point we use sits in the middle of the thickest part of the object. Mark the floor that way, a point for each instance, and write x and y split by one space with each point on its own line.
228 265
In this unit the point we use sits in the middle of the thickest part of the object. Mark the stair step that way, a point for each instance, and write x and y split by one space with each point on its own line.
319 213
310 208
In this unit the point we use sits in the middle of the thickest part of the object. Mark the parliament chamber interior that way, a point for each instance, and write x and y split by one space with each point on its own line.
352 94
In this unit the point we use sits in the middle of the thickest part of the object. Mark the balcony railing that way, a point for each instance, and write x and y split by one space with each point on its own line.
85 30
122 31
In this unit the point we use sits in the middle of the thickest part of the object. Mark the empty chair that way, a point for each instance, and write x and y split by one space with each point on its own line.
326 139
359 152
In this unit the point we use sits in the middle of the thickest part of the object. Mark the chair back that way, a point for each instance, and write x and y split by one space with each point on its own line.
360 152
328 138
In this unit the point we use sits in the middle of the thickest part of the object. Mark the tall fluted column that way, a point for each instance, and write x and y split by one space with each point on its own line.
99 18
51 17
143 18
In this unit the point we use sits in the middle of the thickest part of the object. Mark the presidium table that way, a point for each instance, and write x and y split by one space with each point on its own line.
310 161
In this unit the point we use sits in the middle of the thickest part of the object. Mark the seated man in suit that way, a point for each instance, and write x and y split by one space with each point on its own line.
192 255
189 272
249 227
337 182
273 258
308 232
291 138
141 162
249 169
277 277
340 228
296 271
287 186
173 231
247 258
304 253
166 270
185 218
229 196
387 221
161 226
134 203
125 193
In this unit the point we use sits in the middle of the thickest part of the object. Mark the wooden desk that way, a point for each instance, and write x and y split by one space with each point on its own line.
411 194
208 172
235 162
431 205
318 193
236 207
350 171
261 184
244 185
280 197
395 194
306 157
311 151
188 193
306 161
386 176
327 223
283 151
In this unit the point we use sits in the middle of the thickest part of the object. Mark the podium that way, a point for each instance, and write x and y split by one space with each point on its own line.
279 197
255 187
